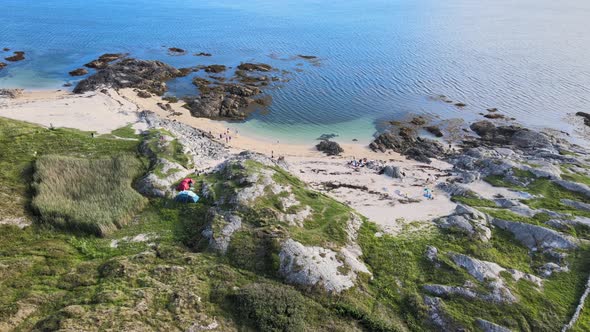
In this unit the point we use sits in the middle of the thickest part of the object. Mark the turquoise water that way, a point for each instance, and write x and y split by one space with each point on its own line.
379 60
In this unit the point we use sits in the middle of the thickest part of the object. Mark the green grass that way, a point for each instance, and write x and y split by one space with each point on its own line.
473 201
172 150
21 143
125 132
87 195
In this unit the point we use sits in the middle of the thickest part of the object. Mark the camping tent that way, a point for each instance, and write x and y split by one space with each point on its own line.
187 196
185 184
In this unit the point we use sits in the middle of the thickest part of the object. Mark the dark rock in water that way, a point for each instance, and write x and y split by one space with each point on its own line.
254 67
406 132
233 101
184 71
176 51
330 148
18 56
143 94
78 72
131 73
307 57
460 104
492 110
585 116
2 65
6 49
418 121
355 140
104 60
494 116
203 54
411 146
67 84
434 130
510 135
251 79
215 69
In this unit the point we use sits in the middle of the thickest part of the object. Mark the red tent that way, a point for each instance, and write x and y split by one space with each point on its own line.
185 184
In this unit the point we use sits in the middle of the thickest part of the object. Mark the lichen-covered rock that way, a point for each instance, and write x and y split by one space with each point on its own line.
220 228
468 221
537 237
319 267
487 326
548 269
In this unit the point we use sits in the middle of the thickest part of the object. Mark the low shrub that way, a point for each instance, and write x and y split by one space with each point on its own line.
269 307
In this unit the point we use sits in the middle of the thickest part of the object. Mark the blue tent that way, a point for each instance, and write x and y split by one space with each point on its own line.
187 196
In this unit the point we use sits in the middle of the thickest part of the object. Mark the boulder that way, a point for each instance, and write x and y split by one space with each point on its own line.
434 130
584 116
409 145
18 56
395 172
143 94
537 237
447 291
131 73
176 51
469 221
510 135
548 269
490 327
11 93
104 60
319 267
233 101
78 72
203 54
574 186
330 148
576 205
2 65
215 69
219 229
255 67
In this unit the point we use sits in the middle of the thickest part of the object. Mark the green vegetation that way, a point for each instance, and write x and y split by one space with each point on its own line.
87 195
125 132
150 270
269 307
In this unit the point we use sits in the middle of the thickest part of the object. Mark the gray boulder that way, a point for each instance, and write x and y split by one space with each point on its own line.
468 221
487 326
537 237
576 205
574 186
393 171
220 228
320 267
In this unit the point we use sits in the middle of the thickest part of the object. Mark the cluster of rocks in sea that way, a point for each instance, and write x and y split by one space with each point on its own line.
216 98
15 57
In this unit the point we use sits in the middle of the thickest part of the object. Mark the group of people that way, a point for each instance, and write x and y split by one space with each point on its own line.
358 163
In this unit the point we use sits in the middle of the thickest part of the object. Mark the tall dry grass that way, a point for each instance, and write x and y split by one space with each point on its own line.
86 195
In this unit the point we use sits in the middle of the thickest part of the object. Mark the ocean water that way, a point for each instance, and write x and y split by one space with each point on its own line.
378 59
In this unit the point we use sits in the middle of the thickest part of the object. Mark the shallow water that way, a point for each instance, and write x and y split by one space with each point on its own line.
379 59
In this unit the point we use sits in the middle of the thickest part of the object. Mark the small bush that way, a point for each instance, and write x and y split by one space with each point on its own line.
269 307
86 195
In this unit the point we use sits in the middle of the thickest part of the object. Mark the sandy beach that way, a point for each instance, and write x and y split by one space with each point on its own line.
379 197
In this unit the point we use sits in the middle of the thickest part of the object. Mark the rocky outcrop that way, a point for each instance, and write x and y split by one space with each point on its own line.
231 101
584 116
434 130
489 272
11 93
574 186
215 69
255 67
437 315
78 72
161 184
17 56
537 237
319 267
176 51
510 135
409 145
576 205
103 61
469 221
490 327
131 73
330 148
395 172
220 228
